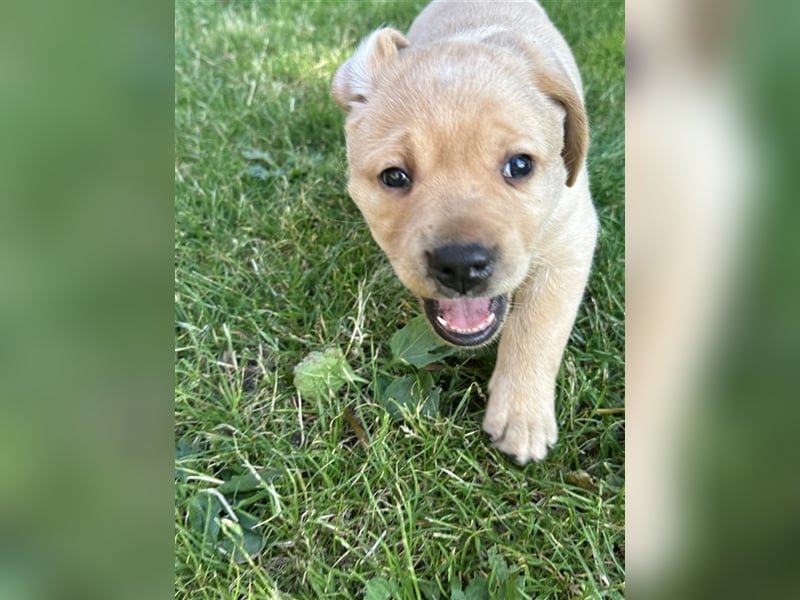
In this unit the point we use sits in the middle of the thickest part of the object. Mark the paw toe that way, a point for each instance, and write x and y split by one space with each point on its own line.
495 428
527 443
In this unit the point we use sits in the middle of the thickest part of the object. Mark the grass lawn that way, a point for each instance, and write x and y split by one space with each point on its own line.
330 495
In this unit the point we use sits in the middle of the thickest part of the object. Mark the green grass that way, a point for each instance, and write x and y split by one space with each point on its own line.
273 262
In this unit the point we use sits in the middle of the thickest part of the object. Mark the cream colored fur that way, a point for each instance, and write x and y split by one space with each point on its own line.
470 85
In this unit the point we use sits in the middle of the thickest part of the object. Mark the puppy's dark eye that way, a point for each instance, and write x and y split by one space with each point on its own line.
395 178
518 166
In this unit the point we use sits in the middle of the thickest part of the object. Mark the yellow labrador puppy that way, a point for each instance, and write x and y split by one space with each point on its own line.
466 145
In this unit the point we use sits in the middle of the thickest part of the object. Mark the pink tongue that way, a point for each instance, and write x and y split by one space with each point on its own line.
465 314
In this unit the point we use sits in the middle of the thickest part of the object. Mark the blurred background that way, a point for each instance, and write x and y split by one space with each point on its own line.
712 330
86 317
86 301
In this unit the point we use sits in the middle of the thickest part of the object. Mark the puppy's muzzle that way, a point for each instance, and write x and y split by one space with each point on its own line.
463 316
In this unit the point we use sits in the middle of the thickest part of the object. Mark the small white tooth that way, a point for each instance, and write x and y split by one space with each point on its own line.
486 323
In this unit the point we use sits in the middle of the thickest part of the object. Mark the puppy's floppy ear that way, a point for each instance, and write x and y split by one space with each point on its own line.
576 124
355 79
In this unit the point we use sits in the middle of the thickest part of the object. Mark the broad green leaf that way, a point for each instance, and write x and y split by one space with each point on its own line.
497 564
246 520
417 345
397 396
407 393
505 582
185 448
239 541
321 374
203 511
429 395
379 588
430 407
478 589
456 593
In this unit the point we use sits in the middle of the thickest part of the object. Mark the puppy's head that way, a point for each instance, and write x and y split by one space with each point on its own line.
458 154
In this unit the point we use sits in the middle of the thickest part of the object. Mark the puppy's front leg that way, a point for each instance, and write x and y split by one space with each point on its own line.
520 417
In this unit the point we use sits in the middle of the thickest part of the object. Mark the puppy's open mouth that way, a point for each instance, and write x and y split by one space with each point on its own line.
466 321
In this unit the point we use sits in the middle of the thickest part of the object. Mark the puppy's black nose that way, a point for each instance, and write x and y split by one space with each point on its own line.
461 267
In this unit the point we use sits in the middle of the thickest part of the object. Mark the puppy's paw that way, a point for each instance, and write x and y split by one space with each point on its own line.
522 427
